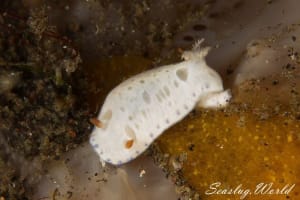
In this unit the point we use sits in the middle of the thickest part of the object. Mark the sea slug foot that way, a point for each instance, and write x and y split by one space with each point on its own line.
215 100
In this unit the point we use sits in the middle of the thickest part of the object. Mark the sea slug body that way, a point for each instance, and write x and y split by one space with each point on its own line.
138 110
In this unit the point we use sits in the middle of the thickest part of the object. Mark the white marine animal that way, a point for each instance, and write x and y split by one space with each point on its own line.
141 108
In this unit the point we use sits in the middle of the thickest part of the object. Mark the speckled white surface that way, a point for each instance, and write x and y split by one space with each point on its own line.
230 35
142 107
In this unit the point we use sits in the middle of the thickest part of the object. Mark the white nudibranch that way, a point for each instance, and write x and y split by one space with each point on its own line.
138 110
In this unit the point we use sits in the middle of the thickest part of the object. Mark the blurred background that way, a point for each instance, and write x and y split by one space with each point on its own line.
59 60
